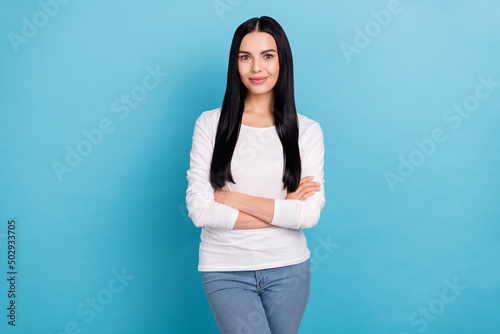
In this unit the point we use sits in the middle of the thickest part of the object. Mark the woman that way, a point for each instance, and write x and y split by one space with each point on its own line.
255 181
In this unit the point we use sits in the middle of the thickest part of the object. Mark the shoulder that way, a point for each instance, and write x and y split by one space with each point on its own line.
211 115
308 128
209 119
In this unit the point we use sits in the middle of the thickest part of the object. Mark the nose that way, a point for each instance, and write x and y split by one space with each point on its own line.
256 65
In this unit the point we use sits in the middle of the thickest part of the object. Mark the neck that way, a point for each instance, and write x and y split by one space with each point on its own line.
262 104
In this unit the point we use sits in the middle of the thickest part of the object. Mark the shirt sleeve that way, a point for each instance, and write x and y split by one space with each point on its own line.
202 208
297 214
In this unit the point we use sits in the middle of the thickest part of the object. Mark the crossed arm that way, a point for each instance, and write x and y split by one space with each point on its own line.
234 210
258 212
255 212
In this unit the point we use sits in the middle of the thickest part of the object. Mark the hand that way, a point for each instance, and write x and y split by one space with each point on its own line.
306 189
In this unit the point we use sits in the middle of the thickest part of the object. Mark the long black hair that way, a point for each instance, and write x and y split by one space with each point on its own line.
285 114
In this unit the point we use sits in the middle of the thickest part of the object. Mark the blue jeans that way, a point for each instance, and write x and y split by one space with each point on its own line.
259 301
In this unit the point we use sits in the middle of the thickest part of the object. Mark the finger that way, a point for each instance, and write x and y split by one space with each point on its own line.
306 195
308 191
305 186
305 179
308 186
311 190
315 186
311 184
309 194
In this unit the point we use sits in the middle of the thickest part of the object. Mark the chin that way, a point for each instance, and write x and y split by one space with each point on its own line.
259 90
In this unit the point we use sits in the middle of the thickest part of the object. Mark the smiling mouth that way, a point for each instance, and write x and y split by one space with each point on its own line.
258 80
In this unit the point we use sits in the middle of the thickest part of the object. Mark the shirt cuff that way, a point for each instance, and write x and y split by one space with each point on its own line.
228 215
285 211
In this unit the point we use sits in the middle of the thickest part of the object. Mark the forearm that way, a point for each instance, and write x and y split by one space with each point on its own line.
246 221
259 207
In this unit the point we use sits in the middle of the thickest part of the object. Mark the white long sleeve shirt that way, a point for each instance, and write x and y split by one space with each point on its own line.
257 169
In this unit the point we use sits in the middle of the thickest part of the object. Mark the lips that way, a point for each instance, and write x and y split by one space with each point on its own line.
258 80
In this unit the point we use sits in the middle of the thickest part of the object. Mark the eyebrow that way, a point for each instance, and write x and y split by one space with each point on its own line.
266 51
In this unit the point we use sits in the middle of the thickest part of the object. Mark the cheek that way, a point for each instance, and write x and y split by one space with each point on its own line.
274 68
242 69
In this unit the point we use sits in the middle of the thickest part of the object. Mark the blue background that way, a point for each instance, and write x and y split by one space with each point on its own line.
122 208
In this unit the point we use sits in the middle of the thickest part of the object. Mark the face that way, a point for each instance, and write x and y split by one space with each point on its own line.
258 63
